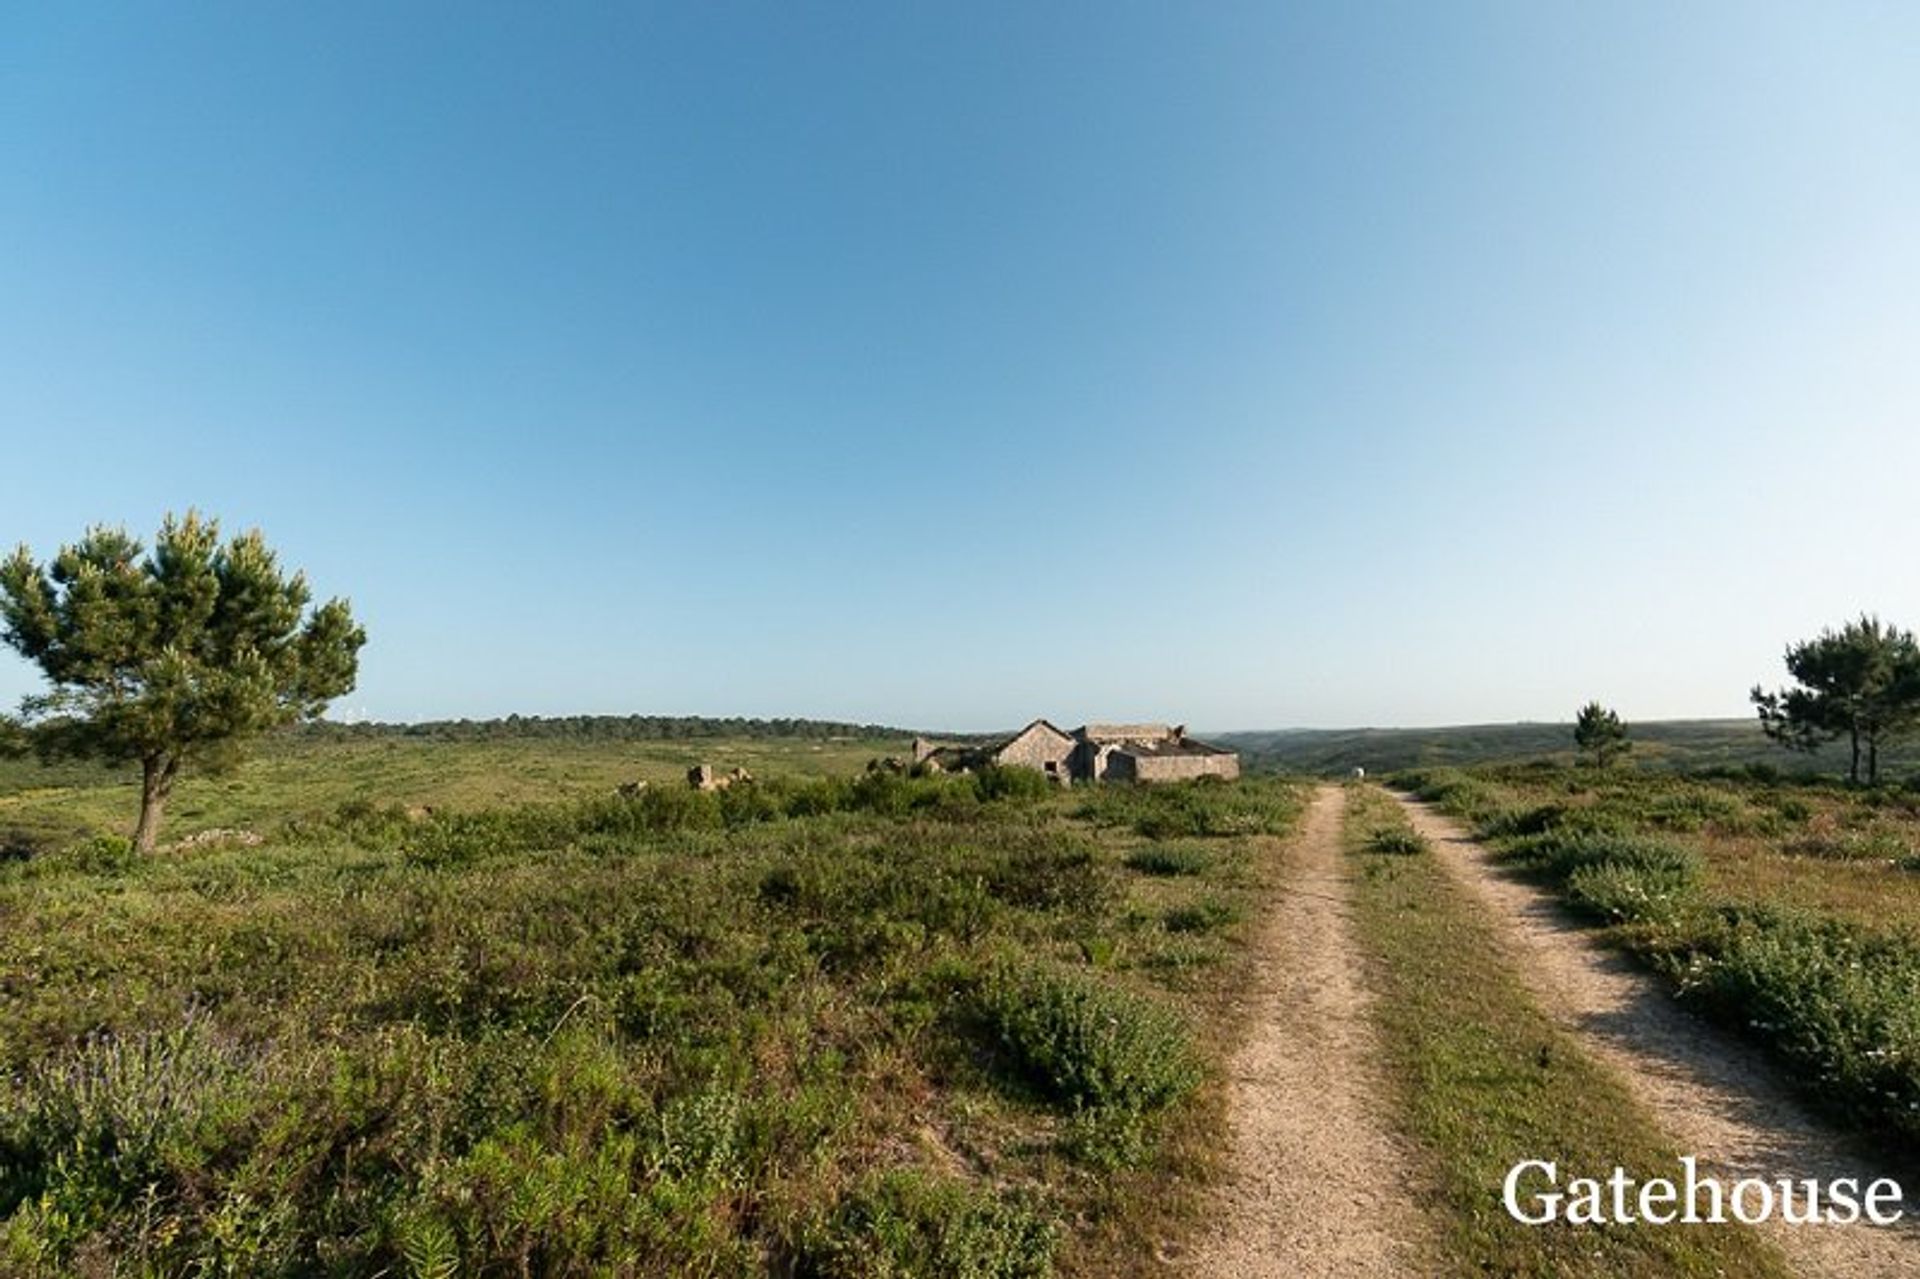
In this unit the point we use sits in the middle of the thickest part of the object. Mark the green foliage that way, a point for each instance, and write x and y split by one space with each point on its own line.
172 657
1600 735
1835 1001
1398 840
1201 917
1053 872
1833 996
1621 893
606 1034
1206 808
82 1134
1169 860
1453 790
998 782
1861 682
1561 854
1087 1043
909 1225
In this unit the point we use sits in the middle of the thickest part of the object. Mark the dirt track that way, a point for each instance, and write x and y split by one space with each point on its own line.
1714 1095
1312 1189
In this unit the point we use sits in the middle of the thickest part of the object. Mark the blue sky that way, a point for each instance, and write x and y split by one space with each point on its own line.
1244 365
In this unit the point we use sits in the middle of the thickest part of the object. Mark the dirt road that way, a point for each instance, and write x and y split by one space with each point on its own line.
1313 1189
1714 1095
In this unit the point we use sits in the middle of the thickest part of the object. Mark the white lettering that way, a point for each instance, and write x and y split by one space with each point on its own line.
1883 1191
1535 1195
1810 1209
1845 1194
1548 1198
1740 1190
1694 1186
1658 1189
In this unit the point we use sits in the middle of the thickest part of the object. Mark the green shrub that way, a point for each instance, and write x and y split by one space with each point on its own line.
1202 917
1873 844
1506 823
910 1225
1108 1138
1619 893
101 855
114 1115
1693 810
1170 860
1020 784
1835 1001
1452 790
1089 1044
1204 808
1397 840
1051 871
1559 855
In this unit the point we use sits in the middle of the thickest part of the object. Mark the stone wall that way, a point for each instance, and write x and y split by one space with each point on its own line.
1176 768
1037 747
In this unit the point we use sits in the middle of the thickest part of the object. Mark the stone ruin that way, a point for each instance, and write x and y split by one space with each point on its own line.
703 777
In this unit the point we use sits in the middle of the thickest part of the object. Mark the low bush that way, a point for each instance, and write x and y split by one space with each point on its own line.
1560 855
1202 917
1169 860
1086 1043
87 1132
1835 1001
1694 809
1052 872
1205 808
997 783
1619 893
909 1225
1397 840
101 855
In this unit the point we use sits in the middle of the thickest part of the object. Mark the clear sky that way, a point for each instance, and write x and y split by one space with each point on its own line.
1247 365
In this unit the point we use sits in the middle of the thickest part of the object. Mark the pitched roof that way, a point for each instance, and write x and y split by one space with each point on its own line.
1055 729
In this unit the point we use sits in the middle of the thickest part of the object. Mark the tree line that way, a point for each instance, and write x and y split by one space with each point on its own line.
1860 683
601 728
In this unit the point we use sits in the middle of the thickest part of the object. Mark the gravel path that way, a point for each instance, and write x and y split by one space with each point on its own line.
1715 1096
1314 1189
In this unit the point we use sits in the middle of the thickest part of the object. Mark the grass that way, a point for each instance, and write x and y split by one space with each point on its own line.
825 1026
294 775
1787 911
1482 1080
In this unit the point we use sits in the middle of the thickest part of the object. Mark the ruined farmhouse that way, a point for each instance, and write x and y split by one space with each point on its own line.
1092 753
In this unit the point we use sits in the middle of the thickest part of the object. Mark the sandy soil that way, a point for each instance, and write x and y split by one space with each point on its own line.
1312 1190
1716 1097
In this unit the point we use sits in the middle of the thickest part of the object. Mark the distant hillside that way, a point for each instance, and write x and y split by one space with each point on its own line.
1676 744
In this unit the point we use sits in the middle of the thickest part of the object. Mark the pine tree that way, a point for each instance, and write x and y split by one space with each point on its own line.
1600 734
1861 682
172 657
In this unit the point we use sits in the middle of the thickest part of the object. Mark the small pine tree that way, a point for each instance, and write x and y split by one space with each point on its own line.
1600 735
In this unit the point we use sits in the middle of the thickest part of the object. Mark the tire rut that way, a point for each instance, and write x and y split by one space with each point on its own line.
1313 1189
1714 1095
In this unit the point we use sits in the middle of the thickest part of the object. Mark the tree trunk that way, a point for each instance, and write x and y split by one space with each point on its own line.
1853 769
156 783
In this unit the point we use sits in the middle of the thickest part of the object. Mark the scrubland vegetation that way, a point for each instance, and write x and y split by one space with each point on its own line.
314 772
1790 911
1480 1079
826 1026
